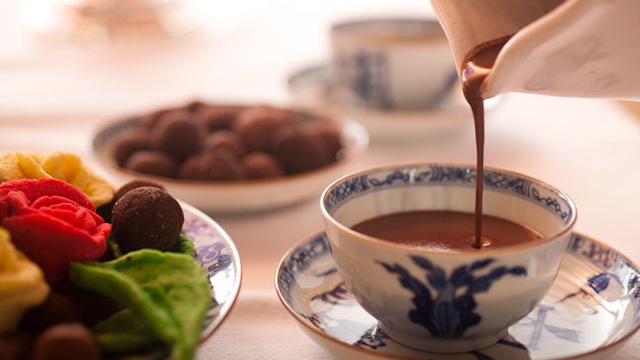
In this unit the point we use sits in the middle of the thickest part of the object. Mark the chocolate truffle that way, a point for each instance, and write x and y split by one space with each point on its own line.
195 106
15 346
298 150
219 117
218 165
257 126
146 217
151 120
105 210
224 139
92 307
128 143
329 134
177 134
259 165
57 309
134 184
66 341
152 163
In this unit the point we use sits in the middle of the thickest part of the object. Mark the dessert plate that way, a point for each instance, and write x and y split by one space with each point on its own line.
311 87
238 196
217 253
592 309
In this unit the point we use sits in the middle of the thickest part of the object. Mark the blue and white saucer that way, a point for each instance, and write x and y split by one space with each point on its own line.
592 309
217 253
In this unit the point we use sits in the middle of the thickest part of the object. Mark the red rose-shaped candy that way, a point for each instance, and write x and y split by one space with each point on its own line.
52 223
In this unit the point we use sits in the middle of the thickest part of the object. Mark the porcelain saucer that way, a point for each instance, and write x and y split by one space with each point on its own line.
311 87
591 310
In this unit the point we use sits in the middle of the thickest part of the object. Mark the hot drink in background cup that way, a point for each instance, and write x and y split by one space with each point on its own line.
449 297
391 64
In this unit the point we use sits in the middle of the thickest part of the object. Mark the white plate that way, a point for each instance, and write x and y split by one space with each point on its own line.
239 196
591 310
311 87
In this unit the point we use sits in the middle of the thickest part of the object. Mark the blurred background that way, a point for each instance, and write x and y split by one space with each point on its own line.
236 50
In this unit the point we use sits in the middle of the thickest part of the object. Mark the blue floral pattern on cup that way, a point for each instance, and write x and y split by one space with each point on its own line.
450 312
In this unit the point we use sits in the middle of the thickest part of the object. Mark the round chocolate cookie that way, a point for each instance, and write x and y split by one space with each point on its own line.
134 184
57 309
146 217
66 341
329 134
298 150
259 165
219 117
128 143
218 165
225 139
151 120
177 134
257 126
105 210
152 163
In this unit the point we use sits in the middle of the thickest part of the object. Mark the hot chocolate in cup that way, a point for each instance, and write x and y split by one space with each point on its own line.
446 300
391 64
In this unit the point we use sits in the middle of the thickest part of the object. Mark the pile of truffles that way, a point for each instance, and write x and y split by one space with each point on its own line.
227 143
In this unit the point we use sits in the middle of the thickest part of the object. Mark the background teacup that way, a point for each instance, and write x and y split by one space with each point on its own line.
446 301
391 63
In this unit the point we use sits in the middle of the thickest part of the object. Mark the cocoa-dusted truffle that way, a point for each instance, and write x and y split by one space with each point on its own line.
259 165
66 341
224 139
150 120
177 134
219 117
134 184
218 165
128 143
152 163
257 126
105 210
298 150
329 134
57 309
146 217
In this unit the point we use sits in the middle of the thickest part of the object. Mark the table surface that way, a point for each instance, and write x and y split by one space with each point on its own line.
53 96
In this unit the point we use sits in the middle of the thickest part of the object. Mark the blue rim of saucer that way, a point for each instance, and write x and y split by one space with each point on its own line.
612 272
218 255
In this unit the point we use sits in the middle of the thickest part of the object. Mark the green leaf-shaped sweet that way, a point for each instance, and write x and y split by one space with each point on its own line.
168 291
124 332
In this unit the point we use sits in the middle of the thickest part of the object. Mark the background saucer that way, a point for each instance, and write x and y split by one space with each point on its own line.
592 308
311 87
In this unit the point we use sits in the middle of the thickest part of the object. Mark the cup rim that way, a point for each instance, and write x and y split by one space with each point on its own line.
344 31
362 238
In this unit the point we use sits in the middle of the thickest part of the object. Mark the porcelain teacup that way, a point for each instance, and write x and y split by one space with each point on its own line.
392 64
446 301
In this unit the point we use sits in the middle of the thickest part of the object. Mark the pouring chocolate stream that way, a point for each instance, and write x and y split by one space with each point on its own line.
476 67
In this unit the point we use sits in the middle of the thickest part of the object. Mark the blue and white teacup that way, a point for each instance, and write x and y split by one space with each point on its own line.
446 301
391 64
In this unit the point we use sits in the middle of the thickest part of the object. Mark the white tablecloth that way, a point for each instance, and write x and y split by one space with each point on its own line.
52 96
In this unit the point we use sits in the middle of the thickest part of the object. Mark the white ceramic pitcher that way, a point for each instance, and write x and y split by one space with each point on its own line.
577 48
